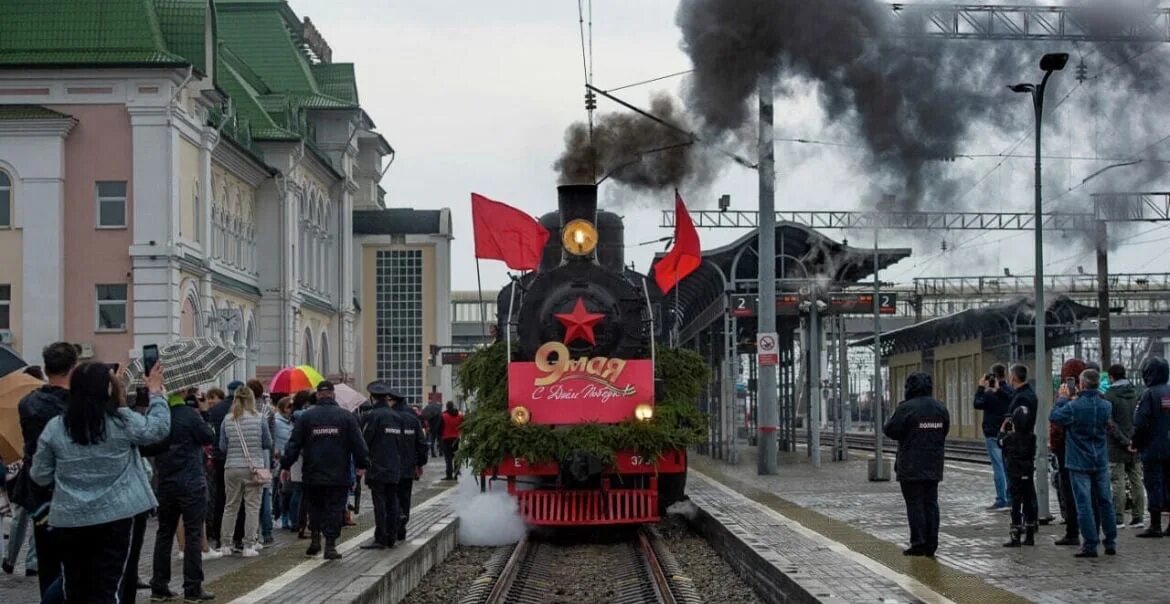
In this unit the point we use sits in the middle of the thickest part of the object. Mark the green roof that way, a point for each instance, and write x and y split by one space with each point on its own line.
184 27
30 112
106 32
337 80
266 40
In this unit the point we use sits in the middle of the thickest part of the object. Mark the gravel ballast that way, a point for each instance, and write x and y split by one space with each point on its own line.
449 579
713 578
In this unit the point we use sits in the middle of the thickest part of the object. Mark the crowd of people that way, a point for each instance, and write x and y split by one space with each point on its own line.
216 468
1100 428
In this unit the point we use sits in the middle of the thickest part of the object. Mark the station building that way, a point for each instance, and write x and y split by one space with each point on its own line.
177 168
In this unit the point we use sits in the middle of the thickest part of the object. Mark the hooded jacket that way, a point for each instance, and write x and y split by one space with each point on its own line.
1151 421
1019 444
920 425
413 446
1124 397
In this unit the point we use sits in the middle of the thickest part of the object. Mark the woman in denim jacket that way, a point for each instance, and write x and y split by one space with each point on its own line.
101 489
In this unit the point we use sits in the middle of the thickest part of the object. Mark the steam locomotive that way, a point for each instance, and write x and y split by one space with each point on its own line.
585 332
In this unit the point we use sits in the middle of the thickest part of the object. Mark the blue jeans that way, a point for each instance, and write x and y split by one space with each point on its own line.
1083 484
291 516
1002 497
266 512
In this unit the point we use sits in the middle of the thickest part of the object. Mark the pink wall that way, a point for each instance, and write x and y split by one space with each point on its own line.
98 148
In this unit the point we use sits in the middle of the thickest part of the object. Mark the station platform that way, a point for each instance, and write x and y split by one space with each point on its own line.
282 573
835 509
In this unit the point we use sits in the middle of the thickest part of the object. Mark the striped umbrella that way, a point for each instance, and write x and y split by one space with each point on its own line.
188 363
295 379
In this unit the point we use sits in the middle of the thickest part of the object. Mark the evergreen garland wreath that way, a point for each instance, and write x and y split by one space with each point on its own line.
488 434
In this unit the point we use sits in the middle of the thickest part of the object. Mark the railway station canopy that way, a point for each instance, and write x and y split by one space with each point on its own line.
803 256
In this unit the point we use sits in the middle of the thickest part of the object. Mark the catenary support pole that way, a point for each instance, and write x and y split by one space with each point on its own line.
877 466
815 334
769 412
1104 331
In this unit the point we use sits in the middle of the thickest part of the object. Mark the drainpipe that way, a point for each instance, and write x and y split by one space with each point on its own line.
179 90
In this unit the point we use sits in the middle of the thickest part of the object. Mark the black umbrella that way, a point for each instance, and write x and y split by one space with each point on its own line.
10 362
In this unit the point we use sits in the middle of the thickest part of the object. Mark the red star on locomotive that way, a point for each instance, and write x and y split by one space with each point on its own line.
579 323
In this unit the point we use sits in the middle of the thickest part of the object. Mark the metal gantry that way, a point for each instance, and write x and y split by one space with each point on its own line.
1105 22
828 219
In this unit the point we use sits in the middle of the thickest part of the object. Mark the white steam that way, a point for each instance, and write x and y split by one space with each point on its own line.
489 518
685 508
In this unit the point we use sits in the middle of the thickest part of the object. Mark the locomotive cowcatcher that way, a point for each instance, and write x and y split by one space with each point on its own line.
585 336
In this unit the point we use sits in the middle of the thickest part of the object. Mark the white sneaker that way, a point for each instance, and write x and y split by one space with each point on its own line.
212 554
250 552
225 552
258 545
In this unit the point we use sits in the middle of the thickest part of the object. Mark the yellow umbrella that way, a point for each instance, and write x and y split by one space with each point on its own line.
314 376
13 387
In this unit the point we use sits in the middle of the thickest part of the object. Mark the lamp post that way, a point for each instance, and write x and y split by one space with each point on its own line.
1049 64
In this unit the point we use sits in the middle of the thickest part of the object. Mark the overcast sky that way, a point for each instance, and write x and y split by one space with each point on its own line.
476 96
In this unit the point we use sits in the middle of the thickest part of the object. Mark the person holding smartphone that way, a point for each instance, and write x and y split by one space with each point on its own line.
992 397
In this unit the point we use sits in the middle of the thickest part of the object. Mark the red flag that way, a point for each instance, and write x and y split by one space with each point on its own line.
684 256
505 233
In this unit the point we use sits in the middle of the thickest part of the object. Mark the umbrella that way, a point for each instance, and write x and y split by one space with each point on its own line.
10 361
348 398
188 363
295 379
13 387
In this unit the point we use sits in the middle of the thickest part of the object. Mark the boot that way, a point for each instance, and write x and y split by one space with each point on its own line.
331 552
1030 535
1070 538
1015 538
314 545
1155 530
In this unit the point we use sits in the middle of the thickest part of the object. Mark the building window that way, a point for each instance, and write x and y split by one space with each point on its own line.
398 320
111 204
111 307
5 200
5 305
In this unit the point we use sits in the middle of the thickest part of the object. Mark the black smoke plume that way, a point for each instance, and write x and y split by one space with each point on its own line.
635 151
910 103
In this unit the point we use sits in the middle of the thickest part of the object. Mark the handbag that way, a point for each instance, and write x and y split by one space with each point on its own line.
260 476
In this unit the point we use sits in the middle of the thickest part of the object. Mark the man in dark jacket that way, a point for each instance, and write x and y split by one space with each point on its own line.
1151 436
182 492
1123 469
1087 423
383 432
1022 394
36 409
330 438
1070 373
993 397
920 425
218 409
412 453
432 419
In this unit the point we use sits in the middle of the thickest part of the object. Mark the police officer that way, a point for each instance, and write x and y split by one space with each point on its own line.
382 428
920 425
412 455
329 438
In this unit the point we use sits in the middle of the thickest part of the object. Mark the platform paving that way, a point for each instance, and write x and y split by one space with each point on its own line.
839 502
233 577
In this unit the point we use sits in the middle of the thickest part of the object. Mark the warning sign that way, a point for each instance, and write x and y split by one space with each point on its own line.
767 349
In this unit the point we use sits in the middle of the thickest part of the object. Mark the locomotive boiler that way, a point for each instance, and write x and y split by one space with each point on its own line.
582 335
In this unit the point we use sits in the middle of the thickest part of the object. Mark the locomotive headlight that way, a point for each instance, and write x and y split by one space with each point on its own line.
643 412
520 415
579 237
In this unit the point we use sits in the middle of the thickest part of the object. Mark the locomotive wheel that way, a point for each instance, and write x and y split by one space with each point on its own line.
671 489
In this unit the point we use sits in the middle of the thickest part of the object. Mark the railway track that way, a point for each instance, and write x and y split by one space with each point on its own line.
638 569
957 450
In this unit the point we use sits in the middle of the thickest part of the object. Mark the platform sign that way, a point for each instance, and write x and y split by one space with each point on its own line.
748 305
768 349
454 357
862 304
558 389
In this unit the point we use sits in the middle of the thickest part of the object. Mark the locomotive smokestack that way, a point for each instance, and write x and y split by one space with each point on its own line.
577 201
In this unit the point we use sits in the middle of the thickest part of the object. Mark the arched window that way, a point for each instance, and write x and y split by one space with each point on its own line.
308 351
323 363
6 196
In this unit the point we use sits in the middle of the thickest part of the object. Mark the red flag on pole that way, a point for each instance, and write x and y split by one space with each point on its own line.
505 233
685 255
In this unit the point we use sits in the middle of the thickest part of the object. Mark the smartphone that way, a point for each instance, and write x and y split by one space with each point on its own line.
149 358
114 367
1072 384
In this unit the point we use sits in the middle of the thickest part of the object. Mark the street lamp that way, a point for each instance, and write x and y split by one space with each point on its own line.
1048 64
